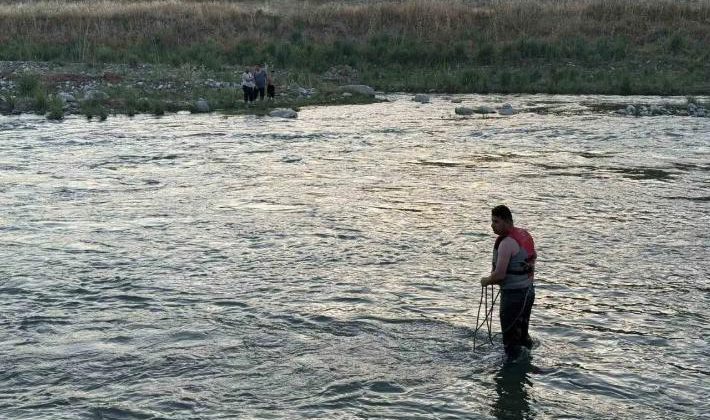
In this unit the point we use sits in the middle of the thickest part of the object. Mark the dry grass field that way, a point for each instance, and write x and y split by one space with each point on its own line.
574 46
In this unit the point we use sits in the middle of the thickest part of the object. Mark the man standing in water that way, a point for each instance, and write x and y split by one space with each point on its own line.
514 269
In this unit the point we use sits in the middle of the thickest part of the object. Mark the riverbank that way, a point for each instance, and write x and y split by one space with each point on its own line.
620 47
97 91
57 89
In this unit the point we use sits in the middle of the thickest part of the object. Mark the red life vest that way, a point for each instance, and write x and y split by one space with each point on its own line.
517 265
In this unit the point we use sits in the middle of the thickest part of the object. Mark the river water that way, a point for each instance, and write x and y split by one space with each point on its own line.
210 266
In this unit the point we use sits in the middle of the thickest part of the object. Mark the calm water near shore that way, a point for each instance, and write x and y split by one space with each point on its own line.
209 266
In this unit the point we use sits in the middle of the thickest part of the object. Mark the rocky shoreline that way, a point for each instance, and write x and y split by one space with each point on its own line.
97 91
56 90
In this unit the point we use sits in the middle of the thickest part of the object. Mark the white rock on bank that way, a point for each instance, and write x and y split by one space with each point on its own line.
462 110
656 110
422 98
202 106
66 97
358 90
283 113
95 95
506 109
484 110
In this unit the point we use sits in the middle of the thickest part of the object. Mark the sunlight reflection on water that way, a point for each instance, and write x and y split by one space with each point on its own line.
212 267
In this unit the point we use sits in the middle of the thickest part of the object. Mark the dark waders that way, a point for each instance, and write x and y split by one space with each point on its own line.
515 308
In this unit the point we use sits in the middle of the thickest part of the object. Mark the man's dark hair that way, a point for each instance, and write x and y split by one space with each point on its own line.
502 212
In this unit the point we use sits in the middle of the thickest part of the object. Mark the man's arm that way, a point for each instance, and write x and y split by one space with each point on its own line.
506 249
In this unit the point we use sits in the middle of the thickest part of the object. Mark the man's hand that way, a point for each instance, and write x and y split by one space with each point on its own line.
485 281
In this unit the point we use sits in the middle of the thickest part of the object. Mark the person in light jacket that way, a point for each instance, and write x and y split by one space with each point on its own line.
248 85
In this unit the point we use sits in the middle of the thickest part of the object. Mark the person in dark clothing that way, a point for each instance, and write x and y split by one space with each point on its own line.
514 258
270 88
260 77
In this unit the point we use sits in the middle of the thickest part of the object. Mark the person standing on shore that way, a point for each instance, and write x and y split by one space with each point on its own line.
248 85
270 88
514 258
260 77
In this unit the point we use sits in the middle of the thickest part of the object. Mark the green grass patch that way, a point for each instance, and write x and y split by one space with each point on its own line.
41 101
406 63
94 108
55 109
28 84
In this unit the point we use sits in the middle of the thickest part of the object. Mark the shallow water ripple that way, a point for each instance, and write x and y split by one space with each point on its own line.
327 267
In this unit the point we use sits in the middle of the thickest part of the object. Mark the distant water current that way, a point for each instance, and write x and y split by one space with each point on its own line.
203 267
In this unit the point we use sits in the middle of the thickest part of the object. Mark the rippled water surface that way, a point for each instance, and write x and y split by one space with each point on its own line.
327 267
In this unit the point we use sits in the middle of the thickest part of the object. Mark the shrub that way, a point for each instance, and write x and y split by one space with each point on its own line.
93 108
486 54
28 84
677 43
625 87
41 101
56 109
157 108
612 48
105 54
143 105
